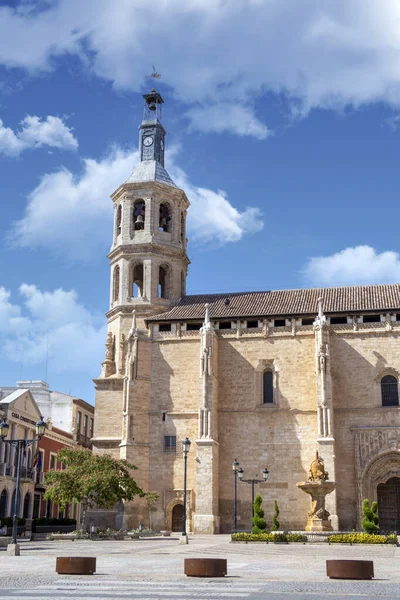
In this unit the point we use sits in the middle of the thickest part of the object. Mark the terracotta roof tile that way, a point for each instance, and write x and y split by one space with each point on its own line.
285 302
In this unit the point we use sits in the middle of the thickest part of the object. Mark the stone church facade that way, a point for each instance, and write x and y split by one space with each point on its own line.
266 378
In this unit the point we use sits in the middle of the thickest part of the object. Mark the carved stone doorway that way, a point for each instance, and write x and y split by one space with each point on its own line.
177 516
389 505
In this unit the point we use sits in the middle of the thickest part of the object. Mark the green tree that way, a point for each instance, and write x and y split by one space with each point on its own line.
259 523
151 499
94 480
370 522
275 522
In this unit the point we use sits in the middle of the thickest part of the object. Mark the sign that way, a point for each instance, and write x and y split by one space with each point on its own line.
24 419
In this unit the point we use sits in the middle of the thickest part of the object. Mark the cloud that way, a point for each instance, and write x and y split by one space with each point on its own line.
73 214
35 133
213 52
53 325
351 266
227 117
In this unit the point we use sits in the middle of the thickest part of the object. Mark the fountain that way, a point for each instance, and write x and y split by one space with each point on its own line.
318 486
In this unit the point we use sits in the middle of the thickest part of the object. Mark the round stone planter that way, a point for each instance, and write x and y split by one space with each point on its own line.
205 567
75 565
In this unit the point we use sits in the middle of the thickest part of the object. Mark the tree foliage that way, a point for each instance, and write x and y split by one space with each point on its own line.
275 522
94 480
259 523
370 522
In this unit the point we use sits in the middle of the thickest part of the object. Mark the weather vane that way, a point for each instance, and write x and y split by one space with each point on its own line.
154 74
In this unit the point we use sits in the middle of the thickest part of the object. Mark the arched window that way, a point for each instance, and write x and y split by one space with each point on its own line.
183 232
119 219
137 281
139 215
163 282
390 391
165 221
27 505
116 284
268 387
3 503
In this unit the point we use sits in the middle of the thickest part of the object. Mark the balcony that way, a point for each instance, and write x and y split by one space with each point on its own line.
83 440
5 470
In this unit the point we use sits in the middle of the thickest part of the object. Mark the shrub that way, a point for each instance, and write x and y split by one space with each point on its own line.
362 538
53 521
269 537
370 522
275 522
8 522
259 523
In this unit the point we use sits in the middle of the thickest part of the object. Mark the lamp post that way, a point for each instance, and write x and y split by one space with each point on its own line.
235 467
253 482
185 447
19 445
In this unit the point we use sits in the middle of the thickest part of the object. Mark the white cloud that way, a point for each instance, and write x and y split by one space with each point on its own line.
227 117
53 325
34 133
73 214
351 266
318 54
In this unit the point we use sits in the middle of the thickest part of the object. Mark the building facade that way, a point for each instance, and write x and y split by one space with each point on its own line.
264 377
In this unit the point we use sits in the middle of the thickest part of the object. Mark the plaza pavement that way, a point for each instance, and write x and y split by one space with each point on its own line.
152 569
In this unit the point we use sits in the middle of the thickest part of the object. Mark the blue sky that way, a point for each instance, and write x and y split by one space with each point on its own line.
282 123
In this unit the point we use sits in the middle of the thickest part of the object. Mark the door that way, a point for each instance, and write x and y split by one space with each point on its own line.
389 505
177 516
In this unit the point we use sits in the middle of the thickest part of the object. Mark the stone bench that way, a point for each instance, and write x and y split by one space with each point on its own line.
205 567
75 565
350 569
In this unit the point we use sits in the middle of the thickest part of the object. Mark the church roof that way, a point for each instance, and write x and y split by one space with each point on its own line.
150 170
361 298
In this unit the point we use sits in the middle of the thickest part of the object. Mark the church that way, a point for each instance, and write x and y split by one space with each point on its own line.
263 378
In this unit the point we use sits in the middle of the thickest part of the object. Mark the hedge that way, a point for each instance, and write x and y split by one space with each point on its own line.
362 538
269 537
53 521
8 521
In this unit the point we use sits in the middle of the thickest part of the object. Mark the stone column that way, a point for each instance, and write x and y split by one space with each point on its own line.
206 519
325 439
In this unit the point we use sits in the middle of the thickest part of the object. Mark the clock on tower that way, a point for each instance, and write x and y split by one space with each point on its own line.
152 133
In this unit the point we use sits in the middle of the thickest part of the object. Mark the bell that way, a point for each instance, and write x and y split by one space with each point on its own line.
163 222
139 219
152 106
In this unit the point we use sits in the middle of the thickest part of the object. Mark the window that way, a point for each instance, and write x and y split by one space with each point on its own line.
251 324
371 319
390 391
164 222
119 219
78 421
338 320
139 215
225 325
183 228
137 281
170 444
307 321
279 323
85 423
3 503
27 506
164 327
91 428
163 282
53 462
164 417
183 282
116 284
268 387
193 326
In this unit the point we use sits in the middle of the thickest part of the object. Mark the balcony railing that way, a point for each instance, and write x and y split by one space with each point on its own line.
83 440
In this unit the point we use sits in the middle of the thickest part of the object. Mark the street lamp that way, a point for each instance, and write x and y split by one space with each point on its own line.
185 447
253 482
19 445
235 467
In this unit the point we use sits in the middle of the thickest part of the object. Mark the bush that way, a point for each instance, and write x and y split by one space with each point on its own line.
259 523
275 522
53 521
8 522
269 537
362 538
370 522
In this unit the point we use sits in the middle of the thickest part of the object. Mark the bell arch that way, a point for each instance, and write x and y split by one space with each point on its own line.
164 281
136 280
139 215
165 217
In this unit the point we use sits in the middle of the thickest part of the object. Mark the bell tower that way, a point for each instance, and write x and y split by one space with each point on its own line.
148 257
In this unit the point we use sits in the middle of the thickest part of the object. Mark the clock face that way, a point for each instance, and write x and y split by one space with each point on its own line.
148 140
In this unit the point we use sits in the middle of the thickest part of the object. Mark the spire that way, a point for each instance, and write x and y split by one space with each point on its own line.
151 144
